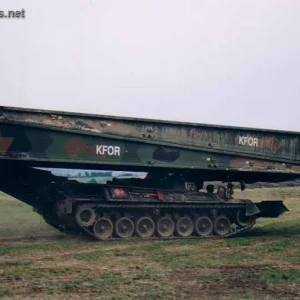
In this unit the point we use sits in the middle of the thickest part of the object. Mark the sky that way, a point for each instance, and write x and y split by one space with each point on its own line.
233 63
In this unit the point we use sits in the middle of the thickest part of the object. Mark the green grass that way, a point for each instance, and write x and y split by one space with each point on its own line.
263 263
18 219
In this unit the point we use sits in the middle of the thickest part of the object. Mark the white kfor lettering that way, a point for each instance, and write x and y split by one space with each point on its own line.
117 150
104 149
250 141
98 149
110 150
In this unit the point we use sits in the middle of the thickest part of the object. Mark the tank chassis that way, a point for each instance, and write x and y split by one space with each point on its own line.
134 207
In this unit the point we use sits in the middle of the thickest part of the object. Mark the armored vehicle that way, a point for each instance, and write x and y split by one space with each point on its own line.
178 158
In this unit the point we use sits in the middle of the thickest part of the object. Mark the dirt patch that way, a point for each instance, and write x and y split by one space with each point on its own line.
37 255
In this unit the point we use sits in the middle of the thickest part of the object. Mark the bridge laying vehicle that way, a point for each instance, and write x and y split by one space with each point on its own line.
177 157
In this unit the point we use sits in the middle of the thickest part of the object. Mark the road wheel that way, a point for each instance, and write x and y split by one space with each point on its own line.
204 226
124 227
165 226
184 226
242 220
145 227
103 228
222 226
85 216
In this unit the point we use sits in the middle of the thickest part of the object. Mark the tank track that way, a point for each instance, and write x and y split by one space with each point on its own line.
155 221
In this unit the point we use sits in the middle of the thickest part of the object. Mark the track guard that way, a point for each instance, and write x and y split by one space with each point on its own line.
251 208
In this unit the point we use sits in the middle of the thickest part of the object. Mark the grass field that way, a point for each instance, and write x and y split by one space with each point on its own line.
37 262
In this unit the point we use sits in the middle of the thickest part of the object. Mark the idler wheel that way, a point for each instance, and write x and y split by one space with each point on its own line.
85 216
124 227
145 227
103 228
241 219
165 226
184 226
222 226
204 226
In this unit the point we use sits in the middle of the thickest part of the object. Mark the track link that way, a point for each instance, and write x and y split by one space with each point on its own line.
115 221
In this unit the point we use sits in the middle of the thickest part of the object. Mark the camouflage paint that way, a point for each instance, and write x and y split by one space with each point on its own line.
34 135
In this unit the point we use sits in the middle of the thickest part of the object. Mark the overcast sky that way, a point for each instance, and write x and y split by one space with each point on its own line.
221 62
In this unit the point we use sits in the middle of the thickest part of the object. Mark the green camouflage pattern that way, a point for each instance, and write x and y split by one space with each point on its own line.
59 139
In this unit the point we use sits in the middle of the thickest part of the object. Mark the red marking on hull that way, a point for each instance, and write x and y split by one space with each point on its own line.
5 143
76 147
